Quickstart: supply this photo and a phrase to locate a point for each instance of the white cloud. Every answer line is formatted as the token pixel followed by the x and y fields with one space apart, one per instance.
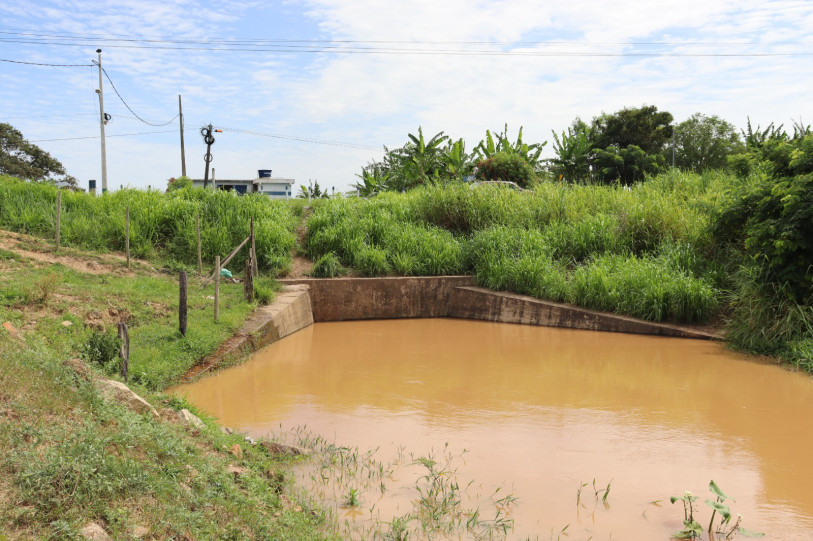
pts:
pixel 375 99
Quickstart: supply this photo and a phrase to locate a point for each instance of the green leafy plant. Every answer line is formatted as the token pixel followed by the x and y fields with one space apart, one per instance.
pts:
pixel 102 349
pixel 328 266
pixel 506 167
pixel 722 530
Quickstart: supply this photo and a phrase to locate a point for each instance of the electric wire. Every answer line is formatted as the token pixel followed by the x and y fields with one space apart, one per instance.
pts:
pixel 130 108
pixel 99 136
pixel 301 139
pixel 48 65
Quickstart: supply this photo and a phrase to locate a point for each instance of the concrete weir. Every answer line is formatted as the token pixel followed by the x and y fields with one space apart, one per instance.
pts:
pixel 304 301
pixel 341 299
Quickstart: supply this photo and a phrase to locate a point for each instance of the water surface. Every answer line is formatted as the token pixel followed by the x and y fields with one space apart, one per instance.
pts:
pixel 539 411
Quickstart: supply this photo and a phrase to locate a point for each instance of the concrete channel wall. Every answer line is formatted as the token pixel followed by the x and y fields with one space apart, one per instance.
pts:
pixel 342 299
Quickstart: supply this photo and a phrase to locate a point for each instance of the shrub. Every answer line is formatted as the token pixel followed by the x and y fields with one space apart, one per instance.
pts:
pixel 328 266
pixel 102 349
pixel 508 167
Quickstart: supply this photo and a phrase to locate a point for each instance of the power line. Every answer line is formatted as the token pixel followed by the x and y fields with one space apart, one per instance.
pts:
pixel 211 41
pixel 49 65
pixel 375 47
pixel 130 108
pixel 99 136
pixel 302 139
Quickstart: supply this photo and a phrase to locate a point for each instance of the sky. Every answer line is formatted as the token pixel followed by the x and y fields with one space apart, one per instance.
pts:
pixel 314 89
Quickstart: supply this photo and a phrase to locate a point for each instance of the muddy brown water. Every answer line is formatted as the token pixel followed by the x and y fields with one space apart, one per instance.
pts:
pixel 537 412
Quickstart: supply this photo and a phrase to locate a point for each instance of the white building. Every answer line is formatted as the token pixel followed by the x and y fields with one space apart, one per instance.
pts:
pixel 275 188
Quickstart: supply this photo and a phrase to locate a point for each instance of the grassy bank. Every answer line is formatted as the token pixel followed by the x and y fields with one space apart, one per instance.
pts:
pixel 636 251
pixel 68 457
pixel 648 251
pixel 161 225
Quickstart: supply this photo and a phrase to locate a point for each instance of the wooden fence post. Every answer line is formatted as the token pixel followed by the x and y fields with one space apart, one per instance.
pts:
pixel 58 217
pixel 197 229
pixel 217 287
pixel 254 269
pixel 182 304
pixel 124 350
pixel 248 282
pixel 127 235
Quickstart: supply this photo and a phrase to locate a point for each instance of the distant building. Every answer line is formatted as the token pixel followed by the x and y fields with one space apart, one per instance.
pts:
pixel 275 188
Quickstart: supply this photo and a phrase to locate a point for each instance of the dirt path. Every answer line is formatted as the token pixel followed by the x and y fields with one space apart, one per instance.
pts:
pixel 41 250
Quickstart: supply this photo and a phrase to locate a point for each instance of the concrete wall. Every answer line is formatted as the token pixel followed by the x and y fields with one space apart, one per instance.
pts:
pixel 480 303
pixel 338 299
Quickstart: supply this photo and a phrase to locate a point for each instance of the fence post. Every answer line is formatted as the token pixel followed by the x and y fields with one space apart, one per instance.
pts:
pixel 182 304
pixel 124 350
pixel 254 270
pixel 248 282
pixel 127 235
pixel 58 217
pixel 197 229
pixel 217 287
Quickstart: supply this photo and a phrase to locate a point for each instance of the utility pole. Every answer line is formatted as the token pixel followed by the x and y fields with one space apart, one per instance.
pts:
pixel 183 156
pixel 102 122
pixel 209 139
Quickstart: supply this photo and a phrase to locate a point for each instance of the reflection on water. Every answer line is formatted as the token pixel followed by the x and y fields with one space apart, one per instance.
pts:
pixel 540 411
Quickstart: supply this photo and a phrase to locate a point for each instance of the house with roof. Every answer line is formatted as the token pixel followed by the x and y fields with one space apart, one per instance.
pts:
pixel 273 187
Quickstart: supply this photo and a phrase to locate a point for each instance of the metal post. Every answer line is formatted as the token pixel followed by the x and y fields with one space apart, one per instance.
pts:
pixel 183 154
pixel 102 121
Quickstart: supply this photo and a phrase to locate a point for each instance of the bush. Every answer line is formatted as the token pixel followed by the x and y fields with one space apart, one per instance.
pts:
pixel 328 266
pixel 508 167
pixel 102 349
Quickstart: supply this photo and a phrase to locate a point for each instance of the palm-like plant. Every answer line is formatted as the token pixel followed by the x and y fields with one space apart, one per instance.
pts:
pixel 573 154
pixel 530 153
pixel 373 180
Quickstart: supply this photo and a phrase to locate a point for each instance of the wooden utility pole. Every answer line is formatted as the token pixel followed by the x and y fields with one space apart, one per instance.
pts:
pixel 183 155
pixel 58 217
pixel 182 304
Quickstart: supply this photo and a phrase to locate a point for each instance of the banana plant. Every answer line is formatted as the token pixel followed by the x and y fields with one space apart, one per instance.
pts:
pixel 458 163
pixel 488 147
pixel 373 180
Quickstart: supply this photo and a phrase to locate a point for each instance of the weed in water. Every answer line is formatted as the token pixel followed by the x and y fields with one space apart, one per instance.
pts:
pixel 722 530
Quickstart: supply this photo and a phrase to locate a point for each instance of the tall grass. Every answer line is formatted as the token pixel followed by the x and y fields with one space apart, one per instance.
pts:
pixel 640 250
pixel 160 224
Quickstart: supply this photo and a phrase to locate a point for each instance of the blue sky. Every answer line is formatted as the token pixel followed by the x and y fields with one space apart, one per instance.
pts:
pixel 471 65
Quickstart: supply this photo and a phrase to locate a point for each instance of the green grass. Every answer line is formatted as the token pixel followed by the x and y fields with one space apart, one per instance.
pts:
pixel 596 246
pixel 68 456
pixel 159 355
pixel 160 224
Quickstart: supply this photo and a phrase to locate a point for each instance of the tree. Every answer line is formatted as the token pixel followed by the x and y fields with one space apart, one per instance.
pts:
pixel 19 158
pixel 705 142
pixel 644 127
pixel 630 143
